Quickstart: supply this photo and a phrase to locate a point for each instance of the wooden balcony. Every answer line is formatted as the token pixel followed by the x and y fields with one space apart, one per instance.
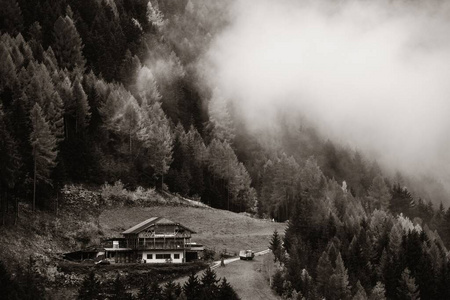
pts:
pixel 149 244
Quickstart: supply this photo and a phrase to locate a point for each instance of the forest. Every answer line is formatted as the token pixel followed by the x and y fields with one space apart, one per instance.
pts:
pixel 104 90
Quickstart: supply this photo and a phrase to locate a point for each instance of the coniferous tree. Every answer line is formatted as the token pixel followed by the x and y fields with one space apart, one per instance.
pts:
pixel 11 19
pixel 169 291
pixel 408 288
pixel 192 287
pixel 226 291
pixel 401 200
pixel 379 192
pixel 67 45
pixel 8 75
pixel 209 285
pixel 339 280
pixel 275 246
pixel 324 269
pixel 44 148
pixel 378 292
pixel 277 282
pixel 220 119
pixel 10 163
pixel 82 109
pixel 360 292
pixel 155 134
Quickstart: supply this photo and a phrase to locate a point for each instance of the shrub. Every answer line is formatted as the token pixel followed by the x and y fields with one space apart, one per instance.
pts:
pixel 113 194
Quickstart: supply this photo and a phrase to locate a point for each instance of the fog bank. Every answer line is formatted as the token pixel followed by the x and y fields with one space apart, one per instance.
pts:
pixel 371 75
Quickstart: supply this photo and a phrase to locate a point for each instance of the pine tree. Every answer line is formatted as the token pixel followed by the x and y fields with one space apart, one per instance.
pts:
pixel 90 288
pixel 408 288
pixel 378 292
pixel 154 15
pixel 67 44
pixel 324 269
pixel 339 280
pixel 8 75
pixel 11 19
pixel 82 110
pixel 209 285
pixel 10 162
pixel 155 134
pixel 10 159
pixel 275 246
pixel 360 292
pixel 192 287
pixel 379 192
pixel 277 282
pixel 226 291
pixel 44 148
pixel 220 119
pixel 169 291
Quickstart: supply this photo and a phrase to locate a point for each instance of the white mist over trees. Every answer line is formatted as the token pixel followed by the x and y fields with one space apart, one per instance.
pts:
pixel 372 75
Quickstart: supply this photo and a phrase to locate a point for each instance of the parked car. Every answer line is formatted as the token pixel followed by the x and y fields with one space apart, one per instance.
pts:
pixel 103 262
pixel 246 254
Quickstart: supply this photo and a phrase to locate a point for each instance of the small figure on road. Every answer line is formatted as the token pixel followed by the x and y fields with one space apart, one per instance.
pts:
pixel 222 262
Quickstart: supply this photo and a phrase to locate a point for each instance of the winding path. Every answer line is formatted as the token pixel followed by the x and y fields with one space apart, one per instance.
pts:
pixel 245 276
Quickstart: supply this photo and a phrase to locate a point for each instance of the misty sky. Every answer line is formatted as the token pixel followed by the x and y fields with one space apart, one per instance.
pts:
pixel 372 75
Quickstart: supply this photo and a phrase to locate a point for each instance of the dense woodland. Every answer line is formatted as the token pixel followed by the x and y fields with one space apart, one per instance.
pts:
pixel 103 90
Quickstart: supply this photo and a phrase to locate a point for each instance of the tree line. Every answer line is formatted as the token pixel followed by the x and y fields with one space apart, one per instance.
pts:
pixel 337 247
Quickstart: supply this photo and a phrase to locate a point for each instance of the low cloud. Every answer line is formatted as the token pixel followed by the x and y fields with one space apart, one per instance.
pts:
pixel 372 75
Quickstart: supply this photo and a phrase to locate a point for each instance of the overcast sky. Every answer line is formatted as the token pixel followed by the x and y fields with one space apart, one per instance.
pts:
pixel 374 75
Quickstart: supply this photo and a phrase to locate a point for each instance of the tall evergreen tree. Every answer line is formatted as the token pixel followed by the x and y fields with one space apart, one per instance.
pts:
pixel 44 149
pixel 275 246
pixel 408 288
pixel 67 45
pixel 192 287
pixel 339 280
pixel 209 285
pixel 360 292
pixel 11 19
pixel 156 136
pixel 378 292
pixel 82 109
pixel 226 291
pixel 324 269
pixel 170 291
pixel 379 192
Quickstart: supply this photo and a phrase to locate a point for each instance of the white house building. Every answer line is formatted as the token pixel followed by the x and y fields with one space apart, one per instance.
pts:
pixel 155 240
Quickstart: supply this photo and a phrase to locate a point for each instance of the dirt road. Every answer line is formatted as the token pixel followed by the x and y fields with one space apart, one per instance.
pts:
pixel 246 278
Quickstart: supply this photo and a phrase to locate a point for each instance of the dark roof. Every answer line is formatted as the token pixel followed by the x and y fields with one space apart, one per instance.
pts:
pixel 150 222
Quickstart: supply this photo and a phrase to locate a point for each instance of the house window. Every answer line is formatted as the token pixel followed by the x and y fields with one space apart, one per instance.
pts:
pixel 162 256
pixel 176 256
pixel 149 256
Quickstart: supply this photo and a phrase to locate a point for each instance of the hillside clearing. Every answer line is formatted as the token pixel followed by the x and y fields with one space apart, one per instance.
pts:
pixel 216 229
